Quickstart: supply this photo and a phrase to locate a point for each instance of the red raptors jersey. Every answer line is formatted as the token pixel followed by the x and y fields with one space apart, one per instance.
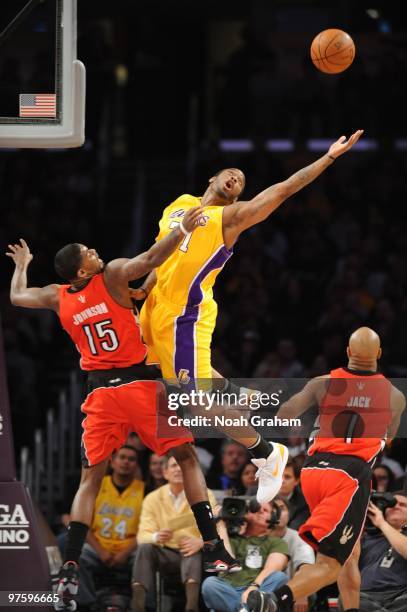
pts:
pixel 106 334
pixel 357 412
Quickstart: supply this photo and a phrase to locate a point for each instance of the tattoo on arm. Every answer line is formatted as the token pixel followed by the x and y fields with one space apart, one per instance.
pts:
pixel 306 175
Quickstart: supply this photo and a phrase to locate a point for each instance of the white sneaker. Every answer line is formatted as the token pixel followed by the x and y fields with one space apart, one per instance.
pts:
pixel 270 473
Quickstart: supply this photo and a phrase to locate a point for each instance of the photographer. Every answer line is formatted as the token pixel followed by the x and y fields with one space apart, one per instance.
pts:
pixel 383 560
pixel 263 557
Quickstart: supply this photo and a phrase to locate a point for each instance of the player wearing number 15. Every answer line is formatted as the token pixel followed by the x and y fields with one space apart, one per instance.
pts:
pixel 96 310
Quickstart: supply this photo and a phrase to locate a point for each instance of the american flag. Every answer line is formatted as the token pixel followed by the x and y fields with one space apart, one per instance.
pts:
pixel 38 105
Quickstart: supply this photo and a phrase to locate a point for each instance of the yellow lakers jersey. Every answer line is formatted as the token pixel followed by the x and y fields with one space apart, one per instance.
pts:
pixel 186 278
pixel 116 516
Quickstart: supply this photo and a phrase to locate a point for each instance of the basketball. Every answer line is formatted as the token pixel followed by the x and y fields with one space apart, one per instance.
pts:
pixel 332 51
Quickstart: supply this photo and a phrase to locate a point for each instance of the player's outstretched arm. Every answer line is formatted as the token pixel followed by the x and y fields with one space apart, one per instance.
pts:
pixel 20 294
pixel 241 215
pixel 131 269
pixel 302 401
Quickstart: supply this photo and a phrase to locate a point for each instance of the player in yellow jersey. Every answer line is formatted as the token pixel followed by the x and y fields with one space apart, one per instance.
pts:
pixel 179 315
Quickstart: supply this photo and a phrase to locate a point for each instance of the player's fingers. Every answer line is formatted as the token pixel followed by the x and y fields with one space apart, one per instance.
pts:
pixel 341 139
pixel 196 218
pixel 23 242
pixel 193 210
pixel 196 212
pixel 357 135
pixel 11 247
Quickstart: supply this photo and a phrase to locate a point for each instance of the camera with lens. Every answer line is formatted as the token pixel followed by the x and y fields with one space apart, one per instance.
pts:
pixel 382 501
pixel 235 509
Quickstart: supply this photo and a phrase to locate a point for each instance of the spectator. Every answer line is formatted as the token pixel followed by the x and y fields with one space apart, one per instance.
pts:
pixel 247 478
pixel 299 551
pixel 290 367
pixel 233 458
pixel 168 538
pixel 155 477
pixel 290 491
pixel 134 440
pixel 383 560
pixel 391 463
pixel 205 458
pixel 111 540
pixel 264 559
pixel 296 446
pixel 383 478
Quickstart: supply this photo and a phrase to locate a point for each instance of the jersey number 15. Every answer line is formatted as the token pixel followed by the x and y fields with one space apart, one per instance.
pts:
pixel 103 335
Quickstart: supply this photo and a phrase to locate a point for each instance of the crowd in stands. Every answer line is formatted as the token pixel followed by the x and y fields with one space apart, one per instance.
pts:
pixel 144 544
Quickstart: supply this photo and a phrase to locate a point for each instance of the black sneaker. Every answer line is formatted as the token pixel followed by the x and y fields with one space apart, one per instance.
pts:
pixel 217 559
pixel 67 587
pixel 257 601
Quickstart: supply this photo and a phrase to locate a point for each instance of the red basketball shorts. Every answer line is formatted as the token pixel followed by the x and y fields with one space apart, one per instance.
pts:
pixel 115 406
pixel 337 491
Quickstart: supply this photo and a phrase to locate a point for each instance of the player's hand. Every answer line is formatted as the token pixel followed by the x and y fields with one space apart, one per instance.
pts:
pixel 192 218
pixel 164 535
pixel 301 605
pixel 189 545
pixel 376 516
pixel 342 145
pixel 105 556
pixel 120 558
pixel 245 593
pixel 137 294
pixel 65 520
pixel 20 253
pixel 216 510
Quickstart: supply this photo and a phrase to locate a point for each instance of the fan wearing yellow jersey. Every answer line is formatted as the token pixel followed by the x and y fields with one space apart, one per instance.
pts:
pixel 179 315
pixel 112 537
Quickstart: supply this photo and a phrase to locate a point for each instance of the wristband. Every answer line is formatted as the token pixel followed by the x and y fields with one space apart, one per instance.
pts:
pixel 230 388
pixel 331 157
pixel 183 230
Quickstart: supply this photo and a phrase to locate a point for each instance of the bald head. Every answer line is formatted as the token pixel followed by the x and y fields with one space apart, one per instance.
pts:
pixel 364 345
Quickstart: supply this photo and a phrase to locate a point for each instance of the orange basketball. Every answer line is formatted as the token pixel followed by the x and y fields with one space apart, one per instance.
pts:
pixel 332 51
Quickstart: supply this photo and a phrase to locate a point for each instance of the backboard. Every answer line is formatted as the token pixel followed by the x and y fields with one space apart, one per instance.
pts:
pixel 42 83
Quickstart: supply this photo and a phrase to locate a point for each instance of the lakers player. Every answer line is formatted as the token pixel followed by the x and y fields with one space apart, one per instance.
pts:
pixel 179 315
